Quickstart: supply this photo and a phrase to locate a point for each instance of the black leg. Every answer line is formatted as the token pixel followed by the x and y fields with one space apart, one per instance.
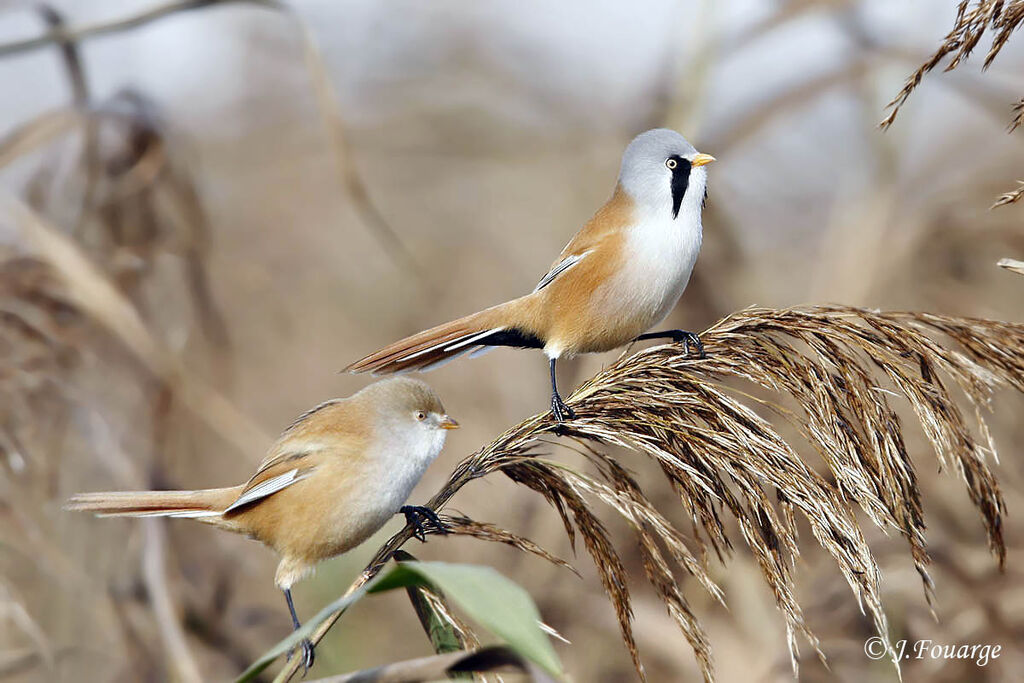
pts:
pixel 688 339
pixel 416 514
pixel 561 411
pixel 307 646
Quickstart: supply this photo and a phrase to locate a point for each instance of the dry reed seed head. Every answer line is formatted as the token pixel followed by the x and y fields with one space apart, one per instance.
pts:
pixel 554 486
pixel 838 367
pixel 863 446
pixel 772 542
pixel 1001 17
pixel 459 525
pixel 1018 116
pixel 625 496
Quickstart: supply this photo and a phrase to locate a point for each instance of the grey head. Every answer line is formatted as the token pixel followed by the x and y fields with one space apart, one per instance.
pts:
pixel 664 174
pixel 405 401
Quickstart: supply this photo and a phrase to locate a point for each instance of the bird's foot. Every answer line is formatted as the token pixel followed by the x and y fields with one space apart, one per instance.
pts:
pixel 689 340
pixel 560 410
pixel 307 655
pixel 416 515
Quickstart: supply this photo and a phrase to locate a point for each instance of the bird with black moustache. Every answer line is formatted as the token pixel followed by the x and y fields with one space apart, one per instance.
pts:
pixel 617 278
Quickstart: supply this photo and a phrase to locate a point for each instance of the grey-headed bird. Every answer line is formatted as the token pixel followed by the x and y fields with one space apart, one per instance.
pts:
pixel 618 277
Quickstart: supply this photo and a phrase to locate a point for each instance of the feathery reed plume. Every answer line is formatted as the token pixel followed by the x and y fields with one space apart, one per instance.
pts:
pixel 1018 116
pixel 830 372
pixel 1003 17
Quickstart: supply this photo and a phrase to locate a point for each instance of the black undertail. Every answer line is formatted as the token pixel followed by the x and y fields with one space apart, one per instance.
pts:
pixel 515 338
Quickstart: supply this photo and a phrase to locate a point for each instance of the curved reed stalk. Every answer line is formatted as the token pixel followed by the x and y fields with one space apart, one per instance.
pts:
pixel 834 374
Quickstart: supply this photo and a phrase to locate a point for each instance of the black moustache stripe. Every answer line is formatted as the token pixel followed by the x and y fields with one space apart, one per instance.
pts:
pixel 680 181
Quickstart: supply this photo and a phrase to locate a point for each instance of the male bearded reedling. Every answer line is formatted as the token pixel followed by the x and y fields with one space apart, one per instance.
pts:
pixel 619 276
pixel 331 480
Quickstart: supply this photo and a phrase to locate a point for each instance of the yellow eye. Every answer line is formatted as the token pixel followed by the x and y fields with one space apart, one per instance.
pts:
pixel 672 163
pixel 421 416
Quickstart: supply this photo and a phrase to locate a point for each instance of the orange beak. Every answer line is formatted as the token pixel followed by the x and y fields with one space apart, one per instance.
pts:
pixel 702 160
pixel 448 423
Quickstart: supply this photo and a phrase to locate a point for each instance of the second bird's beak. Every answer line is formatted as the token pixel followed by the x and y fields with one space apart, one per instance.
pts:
pixel 447 423
pixel 702 160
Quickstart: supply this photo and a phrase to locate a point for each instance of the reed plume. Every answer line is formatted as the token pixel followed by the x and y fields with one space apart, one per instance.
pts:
pixel 836 375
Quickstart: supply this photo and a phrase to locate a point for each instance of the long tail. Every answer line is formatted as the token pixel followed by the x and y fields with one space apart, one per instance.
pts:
pixel 502 325
pixel 205 505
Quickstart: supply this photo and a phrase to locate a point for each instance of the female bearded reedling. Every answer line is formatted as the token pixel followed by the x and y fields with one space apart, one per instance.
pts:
pixel 331 480
pixel 619 276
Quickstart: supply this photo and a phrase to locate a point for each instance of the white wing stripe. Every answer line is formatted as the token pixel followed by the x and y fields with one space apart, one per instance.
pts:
pixel 264 489
pixel 475 337
pixel 454 344
pixel 559 268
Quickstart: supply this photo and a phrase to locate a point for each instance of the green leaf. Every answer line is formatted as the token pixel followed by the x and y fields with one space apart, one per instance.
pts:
pixel 498 603
pixel 487 596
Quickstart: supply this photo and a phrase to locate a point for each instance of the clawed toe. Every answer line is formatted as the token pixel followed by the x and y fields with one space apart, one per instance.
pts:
pixel 415 516
pixel 560 410
pixel 691 340
pixel 308 655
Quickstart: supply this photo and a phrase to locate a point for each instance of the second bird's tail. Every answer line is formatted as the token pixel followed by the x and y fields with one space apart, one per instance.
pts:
pixel 501 325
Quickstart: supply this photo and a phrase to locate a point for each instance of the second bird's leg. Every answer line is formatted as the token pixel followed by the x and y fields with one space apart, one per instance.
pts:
pixel 561 411
pixel 414 516
pixel 307 646
pixel 688 339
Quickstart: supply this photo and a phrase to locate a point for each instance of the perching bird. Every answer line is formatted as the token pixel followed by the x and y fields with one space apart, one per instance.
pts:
pixel 332 479
pixel 619 276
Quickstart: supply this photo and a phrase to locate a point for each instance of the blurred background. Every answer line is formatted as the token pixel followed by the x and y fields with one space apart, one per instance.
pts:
pixel 276 190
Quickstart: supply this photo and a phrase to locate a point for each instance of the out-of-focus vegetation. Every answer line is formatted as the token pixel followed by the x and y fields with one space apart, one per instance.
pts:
pixel 206 213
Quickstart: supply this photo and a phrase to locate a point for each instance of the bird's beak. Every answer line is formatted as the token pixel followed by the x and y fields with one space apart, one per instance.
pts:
pixel 702 160
pixel 447 423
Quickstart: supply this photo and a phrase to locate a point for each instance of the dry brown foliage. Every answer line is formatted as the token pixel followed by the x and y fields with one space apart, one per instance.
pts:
pixel 1002 17
pixel 831 372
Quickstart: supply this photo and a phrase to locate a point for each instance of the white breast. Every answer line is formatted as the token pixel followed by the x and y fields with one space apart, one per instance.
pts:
pixel 387 483
pixel 660 255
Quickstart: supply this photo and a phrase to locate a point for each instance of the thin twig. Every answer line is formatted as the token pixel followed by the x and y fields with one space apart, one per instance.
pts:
pixel 60 34
pixel 154 575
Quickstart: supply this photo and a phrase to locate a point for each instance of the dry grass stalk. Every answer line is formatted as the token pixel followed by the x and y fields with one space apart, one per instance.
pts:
pixel 132 204
pixel 1018 115
pixel 836 369
pixel 460 525
pixel 1002 17
pixel 88 290
pixel 1012 265
pixel 1011 196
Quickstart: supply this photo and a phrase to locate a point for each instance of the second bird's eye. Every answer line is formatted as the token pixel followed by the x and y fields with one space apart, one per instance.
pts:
pixel 672 163
pixel 421 416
